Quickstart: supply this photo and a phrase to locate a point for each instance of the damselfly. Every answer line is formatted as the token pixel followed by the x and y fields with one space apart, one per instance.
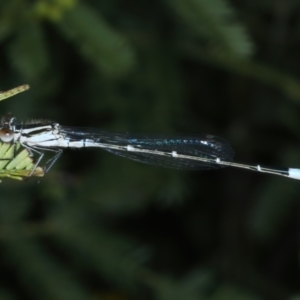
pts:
pixel 201 152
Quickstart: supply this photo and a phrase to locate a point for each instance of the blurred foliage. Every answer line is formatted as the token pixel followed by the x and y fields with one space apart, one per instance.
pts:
pixel 101 227
pixel 215 21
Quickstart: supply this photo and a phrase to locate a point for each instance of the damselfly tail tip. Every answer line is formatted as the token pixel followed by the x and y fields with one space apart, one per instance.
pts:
pixel 294 173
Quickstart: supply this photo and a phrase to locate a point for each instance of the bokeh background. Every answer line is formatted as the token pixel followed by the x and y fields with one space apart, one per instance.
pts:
pixel 102 227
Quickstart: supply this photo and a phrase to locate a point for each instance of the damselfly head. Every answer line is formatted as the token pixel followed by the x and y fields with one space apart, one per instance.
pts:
pixel 7 128
pixel 6 135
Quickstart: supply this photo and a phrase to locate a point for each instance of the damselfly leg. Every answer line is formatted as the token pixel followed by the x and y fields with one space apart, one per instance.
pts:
pixel 39 151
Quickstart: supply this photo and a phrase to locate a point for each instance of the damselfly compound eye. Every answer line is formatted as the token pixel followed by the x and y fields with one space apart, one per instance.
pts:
pixel 6 135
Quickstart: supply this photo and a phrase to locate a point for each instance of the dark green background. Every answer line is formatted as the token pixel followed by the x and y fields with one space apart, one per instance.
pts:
pixel 102 227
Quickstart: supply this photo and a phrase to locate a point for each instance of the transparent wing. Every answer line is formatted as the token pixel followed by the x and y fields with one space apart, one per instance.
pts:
pixel 194 147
